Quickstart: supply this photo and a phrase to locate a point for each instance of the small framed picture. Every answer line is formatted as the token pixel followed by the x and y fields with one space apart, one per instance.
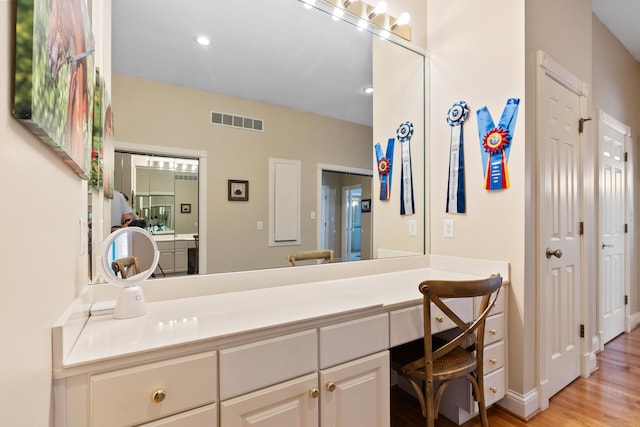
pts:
pixel 238 190
pixel 185 208
pixel 365 205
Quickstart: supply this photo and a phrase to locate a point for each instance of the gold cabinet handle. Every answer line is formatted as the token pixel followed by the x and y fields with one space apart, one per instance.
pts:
pixel 493 390
pixel 493 361
pixel 493 331
pixel 314 392
pixel 158 395
pixel 331 386
pixel 439 319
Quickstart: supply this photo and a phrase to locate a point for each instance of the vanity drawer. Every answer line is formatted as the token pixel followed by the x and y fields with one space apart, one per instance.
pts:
pixel 407 325
pixel 126 397
pixel 498 306
pixel 493 357
pixel 263 363
pixel 350 340
pixel 494 329
pixel 205 416
pixel 494 386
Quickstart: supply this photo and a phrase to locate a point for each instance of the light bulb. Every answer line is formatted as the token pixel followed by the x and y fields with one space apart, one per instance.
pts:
pixel 381 7
pixel 404 19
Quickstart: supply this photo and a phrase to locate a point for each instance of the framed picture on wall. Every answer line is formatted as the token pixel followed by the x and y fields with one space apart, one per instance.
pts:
pixel 365 205
pixel 185 208
pixel 238 190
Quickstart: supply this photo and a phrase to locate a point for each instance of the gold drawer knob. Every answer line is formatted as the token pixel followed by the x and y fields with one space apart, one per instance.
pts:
pixel 493 361
pixel 331 386
pixel 493 331
pixel 314 392
pixel 439 319
pixel 158 395
pixel 493 390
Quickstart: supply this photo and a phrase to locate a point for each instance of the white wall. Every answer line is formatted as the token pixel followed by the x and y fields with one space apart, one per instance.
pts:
pixel 41 265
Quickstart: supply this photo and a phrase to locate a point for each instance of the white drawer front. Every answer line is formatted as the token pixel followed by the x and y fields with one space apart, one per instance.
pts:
pixel 252 366
pixel 350 340
pixel 206 416
pixel 406 325
pixel 493 357
pixel 494 329
pixel 494 386
pixel 125 397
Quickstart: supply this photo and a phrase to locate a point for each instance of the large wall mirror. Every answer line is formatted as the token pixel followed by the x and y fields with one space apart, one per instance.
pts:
pixel 276 104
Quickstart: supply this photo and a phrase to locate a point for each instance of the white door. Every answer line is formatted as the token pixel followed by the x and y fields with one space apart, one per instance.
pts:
pixel 352 222
pixel 328 219
pixel 559 239
pixel 356 394
pixel 612 227
pixel 290 404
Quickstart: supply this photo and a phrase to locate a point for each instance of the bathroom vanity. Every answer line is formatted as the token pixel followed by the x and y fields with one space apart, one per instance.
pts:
pixel 301 354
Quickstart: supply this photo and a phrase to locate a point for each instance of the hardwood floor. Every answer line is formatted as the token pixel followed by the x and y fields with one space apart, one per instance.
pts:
pixel 610 397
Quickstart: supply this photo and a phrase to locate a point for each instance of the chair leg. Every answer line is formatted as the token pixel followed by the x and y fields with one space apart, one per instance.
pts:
pixel 482 407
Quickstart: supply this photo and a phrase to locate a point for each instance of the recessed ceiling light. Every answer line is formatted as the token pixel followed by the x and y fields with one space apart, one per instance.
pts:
pixel 203 40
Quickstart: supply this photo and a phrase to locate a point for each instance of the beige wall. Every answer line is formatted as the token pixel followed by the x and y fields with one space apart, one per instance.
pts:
pixel 42 269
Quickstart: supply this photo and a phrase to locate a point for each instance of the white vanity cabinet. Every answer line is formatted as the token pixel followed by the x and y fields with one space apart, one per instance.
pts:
pixel 177 392
pixel 351 387
pixel 173 256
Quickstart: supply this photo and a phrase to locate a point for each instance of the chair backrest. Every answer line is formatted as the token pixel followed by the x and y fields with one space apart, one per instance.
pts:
pixel 438 291
pixel 326 255
pixel 124 266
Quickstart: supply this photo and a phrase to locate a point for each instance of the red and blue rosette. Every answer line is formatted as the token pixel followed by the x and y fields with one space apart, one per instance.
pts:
pixel 456 200
pixel 404 133
pixel 385 164
pixel 495 143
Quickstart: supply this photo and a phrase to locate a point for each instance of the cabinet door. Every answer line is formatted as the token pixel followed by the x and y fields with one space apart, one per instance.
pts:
pixel 356 394
pixel 180 260
pixel 292 404
pixel 165 262
pixel 201 417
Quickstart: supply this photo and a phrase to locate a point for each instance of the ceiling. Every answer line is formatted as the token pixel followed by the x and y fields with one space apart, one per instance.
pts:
pixel 621 17
pixel 273 51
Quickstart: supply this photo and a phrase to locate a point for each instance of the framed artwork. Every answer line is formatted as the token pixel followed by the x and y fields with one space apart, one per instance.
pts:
pixel 238 190
pixel 185 208
pixel 55 77
pixel 365 205
pixel 97 160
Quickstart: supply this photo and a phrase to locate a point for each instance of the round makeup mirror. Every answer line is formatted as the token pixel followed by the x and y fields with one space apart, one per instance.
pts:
pixel 130 255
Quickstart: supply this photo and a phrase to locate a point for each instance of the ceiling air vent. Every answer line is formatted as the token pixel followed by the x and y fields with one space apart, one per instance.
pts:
pixel 225 119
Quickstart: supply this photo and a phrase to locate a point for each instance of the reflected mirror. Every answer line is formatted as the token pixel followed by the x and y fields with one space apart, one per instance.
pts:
pixel 277 92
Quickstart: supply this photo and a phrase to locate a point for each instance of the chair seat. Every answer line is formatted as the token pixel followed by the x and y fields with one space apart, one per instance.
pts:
pixel 408 359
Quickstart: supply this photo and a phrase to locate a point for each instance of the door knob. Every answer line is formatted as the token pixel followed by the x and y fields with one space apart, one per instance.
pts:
pixel 557 253
pixel 605 245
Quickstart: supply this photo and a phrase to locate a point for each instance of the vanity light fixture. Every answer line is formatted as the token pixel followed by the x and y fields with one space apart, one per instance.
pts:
pixel 203 40
pixel 363 14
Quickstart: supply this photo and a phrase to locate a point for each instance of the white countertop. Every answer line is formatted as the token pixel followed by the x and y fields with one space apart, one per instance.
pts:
pixel 173 323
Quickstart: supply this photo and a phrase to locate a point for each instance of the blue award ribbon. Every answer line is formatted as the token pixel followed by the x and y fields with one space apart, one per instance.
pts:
pixel 384 168
pixel 404 133
pixel 456 201
pixel 495 142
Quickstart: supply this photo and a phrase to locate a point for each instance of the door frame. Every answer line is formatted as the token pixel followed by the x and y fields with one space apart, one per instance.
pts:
pixel 331 168
pixel 546 67
pixel 201 155
pixel 603 117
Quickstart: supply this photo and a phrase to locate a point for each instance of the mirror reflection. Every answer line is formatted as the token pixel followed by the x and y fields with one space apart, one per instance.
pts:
pixel 268 98
pixel 129 256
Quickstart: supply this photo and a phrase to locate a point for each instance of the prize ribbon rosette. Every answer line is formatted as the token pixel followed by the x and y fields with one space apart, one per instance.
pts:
pixel 404 133
pixel 384 168
pixel 495 143
pixel 456 200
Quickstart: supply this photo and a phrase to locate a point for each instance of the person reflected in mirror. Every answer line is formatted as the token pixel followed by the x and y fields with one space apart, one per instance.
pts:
pixel 121 212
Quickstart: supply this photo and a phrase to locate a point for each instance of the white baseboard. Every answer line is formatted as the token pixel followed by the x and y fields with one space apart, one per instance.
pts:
pixel 522 405
pixel 633 321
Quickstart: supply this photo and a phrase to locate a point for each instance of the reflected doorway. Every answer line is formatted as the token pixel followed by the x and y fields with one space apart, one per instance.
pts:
pixel 343 227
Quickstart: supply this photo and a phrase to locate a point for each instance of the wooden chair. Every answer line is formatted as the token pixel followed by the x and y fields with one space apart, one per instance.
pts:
pixel 325 255
pixel 434 360
pixel 124 266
